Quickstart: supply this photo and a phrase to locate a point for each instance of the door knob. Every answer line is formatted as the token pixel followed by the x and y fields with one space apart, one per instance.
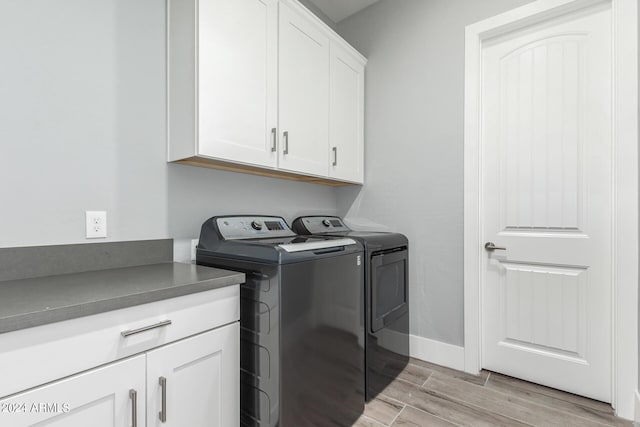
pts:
pixel 490 246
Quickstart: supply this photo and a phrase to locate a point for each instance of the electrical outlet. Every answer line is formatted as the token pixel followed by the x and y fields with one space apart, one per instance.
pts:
pixel 194 247
pixel 96 224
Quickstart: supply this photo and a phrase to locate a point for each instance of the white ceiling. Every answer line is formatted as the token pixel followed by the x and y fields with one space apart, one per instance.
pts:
pixel 337 10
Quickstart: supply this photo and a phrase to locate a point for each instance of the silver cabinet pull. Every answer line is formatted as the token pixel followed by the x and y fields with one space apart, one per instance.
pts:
pixel 335 156
pixel 285 137
pixel 490 246
pixel 274 142
pixel 163 410
pixel 133 395
pixel 145 328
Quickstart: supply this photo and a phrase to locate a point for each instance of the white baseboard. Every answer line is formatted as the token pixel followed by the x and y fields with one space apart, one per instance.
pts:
pixel 438 352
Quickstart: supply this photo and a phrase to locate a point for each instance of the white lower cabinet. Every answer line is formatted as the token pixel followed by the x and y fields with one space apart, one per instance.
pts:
pixel 102 397
pixel 196 382
pixel 192 342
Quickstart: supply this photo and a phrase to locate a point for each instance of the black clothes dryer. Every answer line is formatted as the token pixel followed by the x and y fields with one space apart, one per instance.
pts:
pixel 386 295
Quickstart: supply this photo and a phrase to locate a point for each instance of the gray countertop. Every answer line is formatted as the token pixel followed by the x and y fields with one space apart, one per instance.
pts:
pixel 32 302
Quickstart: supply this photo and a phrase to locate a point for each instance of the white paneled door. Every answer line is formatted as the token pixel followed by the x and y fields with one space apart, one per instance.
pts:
pixel 547 203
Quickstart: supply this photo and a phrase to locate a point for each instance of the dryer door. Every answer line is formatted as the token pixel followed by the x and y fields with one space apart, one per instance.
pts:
pixel 389 288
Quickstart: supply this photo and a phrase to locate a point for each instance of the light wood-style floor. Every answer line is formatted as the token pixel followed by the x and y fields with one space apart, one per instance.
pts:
pixel 429 395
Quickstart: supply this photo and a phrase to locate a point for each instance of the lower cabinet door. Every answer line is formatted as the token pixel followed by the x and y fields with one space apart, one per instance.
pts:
pixel 113 395
pixel 196 382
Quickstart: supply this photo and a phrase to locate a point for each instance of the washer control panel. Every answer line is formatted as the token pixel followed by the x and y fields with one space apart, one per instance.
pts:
pixel 253 227
pixel 324 224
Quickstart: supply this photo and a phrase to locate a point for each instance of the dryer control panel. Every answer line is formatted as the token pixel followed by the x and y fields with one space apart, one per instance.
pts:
pixel 252 227
pixel 323 224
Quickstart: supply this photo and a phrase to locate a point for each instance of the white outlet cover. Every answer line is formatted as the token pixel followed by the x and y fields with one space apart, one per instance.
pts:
pixel 194 245
pixel 96 224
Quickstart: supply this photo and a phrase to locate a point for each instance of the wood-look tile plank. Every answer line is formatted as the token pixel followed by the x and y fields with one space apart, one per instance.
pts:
pixel 473 379
pixel 383 409
pixel 510 384
pixel 415 374
pixel 412 417
pixel 365 421
pixel 566 402
pixel 449 397
pixel 507 405
pixel 446 408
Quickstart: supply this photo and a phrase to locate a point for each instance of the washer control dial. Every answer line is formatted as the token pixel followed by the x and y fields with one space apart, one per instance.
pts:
pixel 256 225
pixel 326 222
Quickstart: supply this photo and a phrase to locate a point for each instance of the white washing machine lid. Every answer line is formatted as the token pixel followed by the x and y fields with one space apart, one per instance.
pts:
pixel 311 246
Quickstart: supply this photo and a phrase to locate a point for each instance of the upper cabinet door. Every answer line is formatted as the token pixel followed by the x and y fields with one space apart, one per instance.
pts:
pixel 346 121
pixel 237 80
pixel 304 94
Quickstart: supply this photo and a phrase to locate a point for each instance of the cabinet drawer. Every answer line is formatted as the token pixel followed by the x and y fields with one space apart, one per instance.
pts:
pixel 34 356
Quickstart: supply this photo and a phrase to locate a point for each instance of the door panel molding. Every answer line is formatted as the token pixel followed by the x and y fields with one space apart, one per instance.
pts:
pixel 625 184
pixel 560 329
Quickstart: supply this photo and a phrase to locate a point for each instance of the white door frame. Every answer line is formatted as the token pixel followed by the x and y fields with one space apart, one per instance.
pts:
pixel 625 185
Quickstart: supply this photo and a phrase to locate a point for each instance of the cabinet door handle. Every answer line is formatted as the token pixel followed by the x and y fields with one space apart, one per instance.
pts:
pixel 133 395
pixel 335 156
pixel 145 328
pixel 163 409
pixel 285 137
pixel 274 142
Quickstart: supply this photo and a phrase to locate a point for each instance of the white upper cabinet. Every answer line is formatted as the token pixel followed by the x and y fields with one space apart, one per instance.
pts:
pixel 346 120
pixel 263 87
pixel 304 94
pixel 237 78
pixel 223 89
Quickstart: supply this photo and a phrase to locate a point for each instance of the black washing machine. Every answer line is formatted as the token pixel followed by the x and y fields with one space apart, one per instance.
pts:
pixel 386 296
pixel 301 321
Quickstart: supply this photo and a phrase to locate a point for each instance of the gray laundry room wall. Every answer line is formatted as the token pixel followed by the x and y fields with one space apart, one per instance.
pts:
pixel 320 14
pixel 414 144
pixel 82 101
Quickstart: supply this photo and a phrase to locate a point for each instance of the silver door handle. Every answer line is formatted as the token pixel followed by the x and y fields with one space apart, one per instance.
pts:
pixel 335 156
pixel 145 328
pixel 274 143
pixel 133 395
pixel 490 246
pixel 163 409
pixel 285 137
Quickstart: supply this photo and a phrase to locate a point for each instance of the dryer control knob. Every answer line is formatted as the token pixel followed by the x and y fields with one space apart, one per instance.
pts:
pixel 326 223
pixel 256 225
